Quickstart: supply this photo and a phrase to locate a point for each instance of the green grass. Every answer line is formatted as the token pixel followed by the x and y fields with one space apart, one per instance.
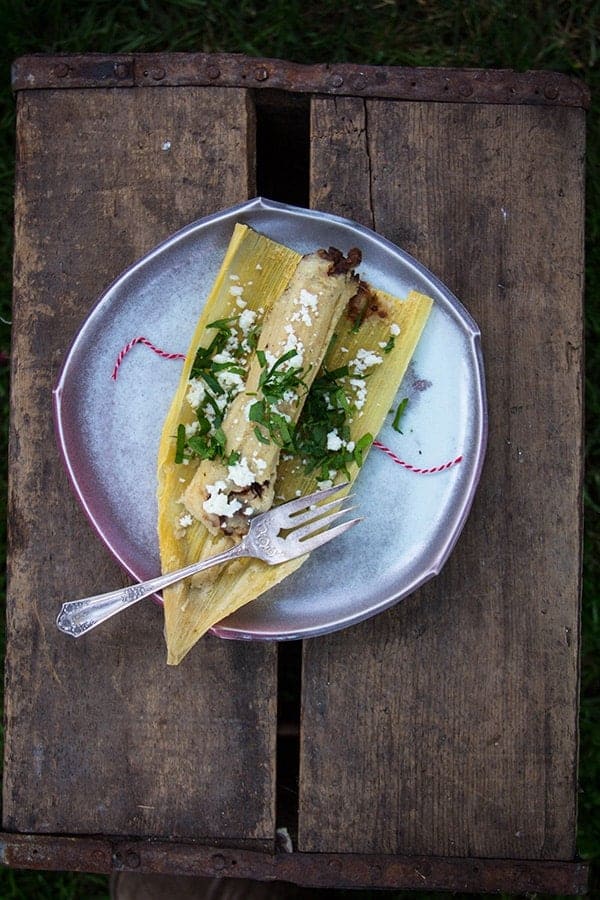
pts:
pixel 561 36
pixel 19 885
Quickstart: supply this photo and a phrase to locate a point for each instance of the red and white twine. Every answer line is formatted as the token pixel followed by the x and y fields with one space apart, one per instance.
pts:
pixel 417 470
pixel 142 340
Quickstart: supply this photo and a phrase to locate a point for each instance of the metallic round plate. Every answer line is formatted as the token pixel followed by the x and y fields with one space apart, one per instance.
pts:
pixel 108 431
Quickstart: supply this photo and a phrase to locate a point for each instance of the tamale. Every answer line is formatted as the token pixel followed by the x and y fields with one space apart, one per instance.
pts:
pixel 362 365
pixel 294 338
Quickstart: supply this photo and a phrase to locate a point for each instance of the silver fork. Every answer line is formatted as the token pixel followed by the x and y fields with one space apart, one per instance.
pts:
pixel 307 524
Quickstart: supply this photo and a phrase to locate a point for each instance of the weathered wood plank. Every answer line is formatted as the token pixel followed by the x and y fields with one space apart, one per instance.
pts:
pixel 344 187
pixel 101 737
pixel 455 714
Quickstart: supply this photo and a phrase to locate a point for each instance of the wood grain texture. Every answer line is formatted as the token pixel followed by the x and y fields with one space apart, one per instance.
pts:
pixel 101 737
pixel 454 715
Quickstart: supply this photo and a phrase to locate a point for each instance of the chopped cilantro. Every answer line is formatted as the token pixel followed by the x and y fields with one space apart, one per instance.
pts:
pixel 361 447
pixel 399 413
pixel 327 409
pixel 180 445
pixel 208 441
pixel 360 318
pixel 223 325
pixel 209 445
pixel 275 384
pixel 260 436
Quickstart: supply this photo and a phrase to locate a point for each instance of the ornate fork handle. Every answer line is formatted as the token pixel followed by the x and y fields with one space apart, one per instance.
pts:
pixel 77 617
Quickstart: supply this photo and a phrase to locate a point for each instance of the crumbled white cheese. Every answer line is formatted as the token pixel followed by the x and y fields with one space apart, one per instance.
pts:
pixel 360 389
pixel 364 359
pixel 241 303
pixel 218 503
pixel 270 359
pixel 241 474
pixel 223 357
pixel 232 347
pixel 232 382
pixel 221 401
pixel 186 520
pixel 308 303
pixel 308 299
pixel 234 277
pixel 209 413
pixel 334 441
pixel 192 428
pixel 394 329
pixel 293 343
pixel 247 320
pixel 195 392
pixel 236 290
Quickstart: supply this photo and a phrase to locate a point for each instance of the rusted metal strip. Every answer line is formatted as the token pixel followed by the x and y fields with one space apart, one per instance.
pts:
pixel 318 870
pixel 235 70
pixel 80 71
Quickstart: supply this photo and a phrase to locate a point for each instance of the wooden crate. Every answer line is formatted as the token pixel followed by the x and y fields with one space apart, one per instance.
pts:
pixel 434 746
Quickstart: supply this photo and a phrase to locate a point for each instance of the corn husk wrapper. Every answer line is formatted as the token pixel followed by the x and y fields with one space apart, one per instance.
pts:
pixel 193 606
